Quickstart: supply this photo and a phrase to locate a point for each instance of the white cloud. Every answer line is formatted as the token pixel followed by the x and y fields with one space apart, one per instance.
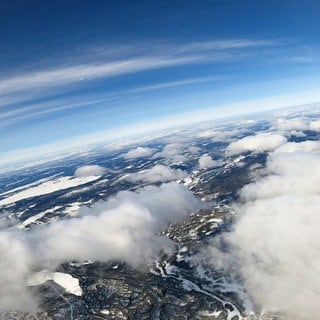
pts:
pixel 161 56
pixel 139 152
pixel 29 86
pixel 206 134
pixel 172 149
pixel 37 110
pixel 124 228
pixel 194 149
pixel 303 59
pixel 224 45
pixel 297 124
pixel 89 171
pixel 80 73
pixel 307 146
pixel 158 173
pixel 260 142
pixel 172 84
pixel 220 135
pixel 178 158
pixel 172 152
pixel 15 264
pixel 205 161
pixel 275 242
pixel 293 173
pixel 314 125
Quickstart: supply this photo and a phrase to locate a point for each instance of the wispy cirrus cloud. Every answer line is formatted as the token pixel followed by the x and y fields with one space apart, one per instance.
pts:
pixel 150 58
pixel 36 110
pixel 303 59
pixel 41 109
pixel 42 91
pixel 228 44
pixel 86 72
pixel 172 84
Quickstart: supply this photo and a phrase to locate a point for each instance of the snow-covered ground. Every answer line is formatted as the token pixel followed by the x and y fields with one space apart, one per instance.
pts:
pixel 35 218
pixel 65 280
pixel 26 186
pixel 47 187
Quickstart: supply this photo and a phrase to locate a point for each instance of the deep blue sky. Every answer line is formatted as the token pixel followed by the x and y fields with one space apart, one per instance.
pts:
pixel 73 68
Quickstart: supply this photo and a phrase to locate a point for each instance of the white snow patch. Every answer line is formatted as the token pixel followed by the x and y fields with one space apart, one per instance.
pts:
pixel 65 280
pixel 215 313
pixel 36 217
pixel 239 159
pixel 48 187
pixel 105 311
pixel 73 209
pixel 26 186
pixel 79 264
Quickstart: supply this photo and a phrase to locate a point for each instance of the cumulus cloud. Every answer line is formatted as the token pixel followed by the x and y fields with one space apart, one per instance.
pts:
pixel 139 152
pixel 298 124
pixel 260 142
pixel 276 242
pixel 220 135
pixel 294 173
pixel 315 125
pixel 158 173
pixel 15 264
pixel 205 161
pixel 124 227
pixel 194 149
pixel 307 146
pixel 172 152
pixel 88 171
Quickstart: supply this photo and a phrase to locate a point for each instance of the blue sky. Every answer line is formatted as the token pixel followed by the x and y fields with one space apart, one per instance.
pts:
pixel 75 71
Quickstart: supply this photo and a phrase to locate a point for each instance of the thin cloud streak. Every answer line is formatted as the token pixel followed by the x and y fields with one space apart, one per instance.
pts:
pixel 38 110
pixel 19 94
pixel 44 109
pixel 170 56
pixel 76 74
pixel 229 44
pixel 179 83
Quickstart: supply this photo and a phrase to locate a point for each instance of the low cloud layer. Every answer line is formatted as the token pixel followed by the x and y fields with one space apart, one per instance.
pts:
pixel 206 161
pixel 276 242
pixel 15 265
pixel 314 125
pixel 260 142
pixel 173 152
pixel 88 171
pixel 158 173
pixel 123 227
pixel 139 152
pixel 297 124
pixel 306 146
pixel 220 135
pixel 284 124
